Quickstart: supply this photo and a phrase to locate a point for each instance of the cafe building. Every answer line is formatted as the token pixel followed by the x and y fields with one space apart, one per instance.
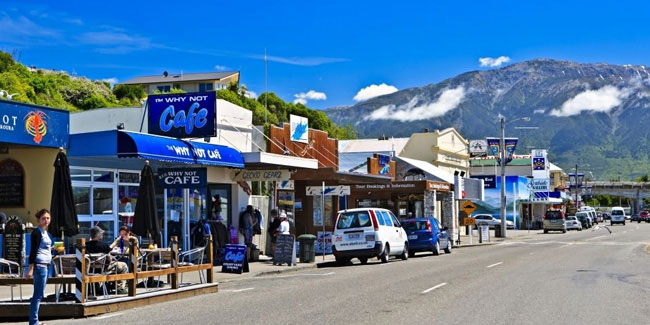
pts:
pixel 30 136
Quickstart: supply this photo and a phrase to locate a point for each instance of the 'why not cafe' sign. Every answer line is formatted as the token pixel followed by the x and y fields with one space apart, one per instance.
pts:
pixel 182 177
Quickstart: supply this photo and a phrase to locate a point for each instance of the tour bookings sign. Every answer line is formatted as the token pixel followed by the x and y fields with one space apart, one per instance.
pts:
pixel 182 177
pixel 190 115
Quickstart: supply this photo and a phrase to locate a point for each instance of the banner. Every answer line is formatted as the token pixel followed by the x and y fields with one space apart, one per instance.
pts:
pixel 324 240
pixel 478 148
pixel 182 177
pixel 190 115
pixel 572 180
pixel 494 147
pixel 299 128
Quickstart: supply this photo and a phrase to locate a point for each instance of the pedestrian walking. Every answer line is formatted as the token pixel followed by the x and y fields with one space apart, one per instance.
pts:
pixel 247 224
pixel 40 258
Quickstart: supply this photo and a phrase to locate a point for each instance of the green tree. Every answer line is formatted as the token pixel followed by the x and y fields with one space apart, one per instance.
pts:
pixel 129 92
pixel 643 179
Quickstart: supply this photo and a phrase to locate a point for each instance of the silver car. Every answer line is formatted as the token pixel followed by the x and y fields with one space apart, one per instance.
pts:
pixel 572 223
pixel 491 221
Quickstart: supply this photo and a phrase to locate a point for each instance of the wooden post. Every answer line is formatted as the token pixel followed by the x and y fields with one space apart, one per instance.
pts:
pixel 133 252
pixel 174 249
pixel 80 271
pixel 210 271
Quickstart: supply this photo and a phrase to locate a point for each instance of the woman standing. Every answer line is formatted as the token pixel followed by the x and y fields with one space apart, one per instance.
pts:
pixel 40 257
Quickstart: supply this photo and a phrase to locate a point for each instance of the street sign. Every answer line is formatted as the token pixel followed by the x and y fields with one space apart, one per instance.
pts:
pixel 469 221
pixel 468 207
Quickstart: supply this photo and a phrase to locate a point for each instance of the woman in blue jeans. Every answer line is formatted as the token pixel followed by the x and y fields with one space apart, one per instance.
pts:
pixel 40 257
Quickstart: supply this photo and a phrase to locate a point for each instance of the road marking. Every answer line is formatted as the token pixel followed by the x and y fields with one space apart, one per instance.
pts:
pixel 107 316
pixel 236 290
pixel 495 264
pixel 594 238
pixel 308 274
pixel 567 245
pixel 435 287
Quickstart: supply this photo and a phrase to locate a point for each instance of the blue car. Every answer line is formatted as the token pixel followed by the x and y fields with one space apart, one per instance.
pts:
pixel 426 235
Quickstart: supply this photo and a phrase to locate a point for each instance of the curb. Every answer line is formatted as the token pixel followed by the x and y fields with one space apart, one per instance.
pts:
pixel 476 245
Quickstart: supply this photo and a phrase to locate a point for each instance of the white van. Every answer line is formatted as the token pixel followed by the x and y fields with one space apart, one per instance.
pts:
pixel 368 232
pixel 618 216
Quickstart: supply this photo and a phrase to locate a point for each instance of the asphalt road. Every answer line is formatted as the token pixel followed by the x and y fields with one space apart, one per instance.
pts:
pixel 588 277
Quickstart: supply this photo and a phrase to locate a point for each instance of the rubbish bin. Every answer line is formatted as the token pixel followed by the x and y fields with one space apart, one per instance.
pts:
pixel 307 250
pixel 497 231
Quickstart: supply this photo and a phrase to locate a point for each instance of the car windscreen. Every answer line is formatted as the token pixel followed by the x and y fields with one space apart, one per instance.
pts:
pixel 354 220
pixel 617 212
pixel 552 215
pixel 414 225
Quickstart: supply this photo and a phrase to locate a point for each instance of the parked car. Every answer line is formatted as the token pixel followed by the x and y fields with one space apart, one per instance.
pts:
pixel 584 219
pixel 644 216
pixel 491 221
pixel 634 217
pixel 368 232
pixel 572 223
pixel 606 216
pixel 618 216
pixel 554 221
pixel 426 235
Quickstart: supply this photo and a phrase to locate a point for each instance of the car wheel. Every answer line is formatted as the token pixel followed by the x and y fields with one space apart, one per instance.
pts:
pixel 411 253
pixel 363 260
pixel 623 223
pixel 448 248
pixel 564 231
pixel 545 231
pixel 639 221
pixel 341 261
pixel 384 256
pixel 579 229
pixel 436 249
pixel 405 252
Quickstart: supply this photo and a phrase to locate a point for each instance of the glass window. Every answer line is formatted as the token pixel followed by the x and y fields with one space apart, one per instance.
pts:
pixel 329 210
pixel 109 229
pixel 354 220
pixel 205 87
pixel 380 219
pixel 386 218
pixel 164 88
pixel 81 199
pixel 102 201
pixel 133 178
pixel 395 222
pixel 127 198
pixel 81 175
pixel 103 176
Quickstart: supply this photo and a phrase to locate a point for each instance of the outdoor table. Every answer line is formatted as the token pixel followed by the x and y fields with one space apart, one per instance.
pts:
pixel 150 257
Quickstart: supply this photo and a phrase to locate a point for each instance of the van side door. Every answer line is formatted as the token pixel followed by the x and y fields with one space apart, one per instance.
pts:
pixel 399 233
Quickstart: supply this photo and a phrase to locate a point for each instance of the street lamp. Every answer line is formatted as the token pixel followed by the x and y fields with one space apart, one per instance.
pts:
pixel 578 183
pixel 503 171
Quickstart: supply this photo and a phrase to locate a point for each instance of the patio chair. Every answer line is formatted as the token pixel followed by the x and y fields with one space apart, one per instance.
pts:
pixel 9 265
pixel 96 264
pixel 63 266
pixel 164 262
pixel 192 257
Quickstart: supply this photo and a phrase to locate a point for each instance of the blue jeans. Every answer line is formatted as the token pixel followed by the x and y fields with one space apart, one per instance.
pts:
pixel 40 280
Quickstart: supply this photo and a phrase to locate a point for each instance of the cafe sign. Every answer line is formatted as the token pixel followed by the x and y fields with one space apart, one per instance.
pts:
pixel 182 177
pixel 34 125
pixel 261 175
pixel 190 115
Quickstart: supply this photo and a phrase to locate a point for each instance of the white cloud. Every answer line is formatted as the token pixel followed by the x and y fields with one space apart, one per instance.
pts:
pixel 493 62
pixel 310 95
pixel 111 81
pixel 448 100
pixel 304 61
pixel 538 111
pixel 374 91
pixel 250 94
pixel 23 31
pixel 220 67
pixel 115 42
pixel 600 100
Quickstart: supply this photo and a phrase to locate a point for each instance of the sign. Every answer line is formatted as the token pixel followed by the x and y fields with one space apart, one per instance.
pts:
pixel 12 184
pixel 539 163
pixel 329 190
pixel 484 234
pixel 318 217
pixel 299 128
pixel 13 244
pixel 261 175
pixel 539 187
pixel 438 186
pixel 468 207
pixel 467 221
pixel 182 177
pixel 488 181
pixel 324 240
pixel 190 115
pixel 494 148
pixel 34 125
pixel 286 185
pixel 478 148
pixel 285 250
pixel 234 260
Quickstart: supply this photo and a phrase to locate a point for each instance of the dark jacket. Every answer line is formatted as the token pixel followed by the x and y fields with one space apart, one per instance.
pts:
pixel 35 242
pixel 97 246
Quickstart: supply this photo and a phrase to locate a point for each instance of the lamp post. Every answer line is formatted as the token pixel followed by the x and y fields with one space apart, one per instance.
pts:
pixel 503 171
pixel 578 183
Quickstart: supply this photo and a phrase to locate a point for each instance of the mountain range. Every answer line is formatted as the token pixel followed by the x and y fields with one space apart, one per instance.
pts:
pixel 593 114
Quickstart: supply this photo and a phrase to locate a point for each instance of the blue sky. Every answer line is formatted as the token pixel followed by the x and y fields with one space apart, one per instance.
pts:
pixel 332 48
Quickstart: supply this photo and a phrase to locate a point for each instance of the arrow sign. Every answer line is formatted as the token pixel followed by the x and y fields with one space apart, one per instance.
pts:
pixel 468 206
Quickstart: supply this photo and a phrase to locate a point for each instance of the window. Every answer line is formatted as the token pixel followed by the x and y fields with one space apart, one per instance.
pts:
pixel 81 199
pixel 354 220
pixel 329 210
pixel 395 222
pixel 103 176
pixel 380 219
pixel 164 89
pixel 386 218
pixel 206 87
pixel 102 201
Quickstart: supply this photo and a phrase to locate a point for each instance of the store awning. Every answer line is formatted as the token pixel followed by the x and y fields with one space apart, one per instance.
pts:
pixel 125 144
pixel 434 172
pixel 272 160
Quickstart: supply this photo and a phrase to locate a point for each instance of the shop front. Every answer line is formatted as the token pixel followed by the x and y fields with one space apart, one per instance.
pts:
pixel 194 181
pixel 30 136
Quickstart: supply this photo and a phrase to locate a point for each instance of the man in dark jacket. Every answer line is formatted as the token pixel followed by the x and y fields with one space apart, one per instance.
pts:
pixel 96 245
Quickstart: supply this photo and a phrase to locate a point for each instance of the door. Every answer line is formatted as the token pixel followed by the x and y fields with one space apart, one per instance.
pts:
pixel 399 237
pixel 174 215
pixel 442 239
pixel 220 202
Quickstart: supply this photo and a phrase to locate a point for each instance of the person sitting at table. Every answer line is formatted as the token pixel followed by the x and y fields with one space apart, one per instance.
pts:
pixel 122 241
pixel 96 245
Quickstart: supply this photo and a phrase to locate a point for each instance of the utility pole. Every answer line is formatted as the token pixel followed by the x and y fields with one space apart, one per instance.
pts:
pixel 503 178
pixel 266 88
pixel 577 187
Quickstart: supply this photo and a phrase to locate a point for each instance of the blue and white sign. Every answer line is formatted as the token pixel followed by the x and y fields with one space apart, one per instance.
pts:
pixel 299 128
pixel 329 190
pixel 324 241
pixel 190 115
pixel 234 259
pixel 182 177
pixel 488 181
pixel 34 125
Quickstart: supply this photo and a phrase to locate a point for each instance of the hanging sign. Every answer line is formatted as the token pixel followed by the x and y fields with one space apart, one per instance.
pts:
pixel 182 177
pixel 477 148
pixel 494 148
pixel 260 175
pixel 190 115
pixel 329 190
pixel 299 128
pixel 34 125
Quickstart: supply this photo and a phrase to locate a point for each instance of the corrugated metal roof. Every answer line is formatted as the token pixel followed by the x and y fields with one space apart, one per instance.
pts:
pixel 373 145
pixel 179 77
pixel 428 168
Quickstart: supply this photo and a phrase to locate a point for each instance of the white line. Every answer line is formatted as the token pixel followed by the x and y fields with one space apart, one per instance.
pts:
pixel 567 245
pixel 309 274
pixel 237 290
pixel 495 264
pixel 593 238
pixel 435 287
pixel 107 316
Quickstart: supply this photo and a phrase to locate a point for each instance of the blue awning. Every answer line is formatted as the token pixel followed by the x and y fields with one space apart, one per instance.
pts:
pixel 125 144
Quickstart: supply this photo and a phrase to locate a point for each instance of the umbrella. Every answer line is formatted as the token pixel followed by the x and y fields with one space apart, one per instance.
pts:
pixel 62 211
pixel 145 221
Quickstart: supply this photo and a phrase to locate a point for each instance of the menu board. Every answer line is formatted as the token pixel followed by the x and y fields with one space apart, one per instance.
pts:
pixel 285 250
pixel 12 181
pixel 14 241
pixel 235 260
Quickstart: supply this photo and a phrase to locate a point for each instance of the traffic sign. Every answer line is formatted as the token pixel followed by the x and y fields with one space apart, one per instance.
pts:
pixel 469 221
pixel 468 207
